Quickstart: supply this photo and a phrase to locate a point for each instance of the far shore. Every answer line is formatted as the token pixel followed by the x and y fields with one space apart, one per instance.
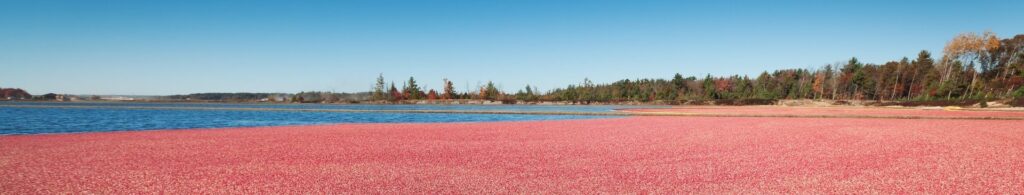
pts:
pixel 1008 104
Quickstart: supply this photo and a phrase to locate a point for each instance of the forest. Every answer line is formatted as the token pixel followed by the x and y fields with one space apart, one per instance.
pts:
pixel 972 67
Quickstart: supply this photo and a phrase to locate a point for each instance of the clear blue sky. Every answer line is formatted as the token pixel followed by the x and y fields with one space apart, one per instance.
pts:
pixel 176 46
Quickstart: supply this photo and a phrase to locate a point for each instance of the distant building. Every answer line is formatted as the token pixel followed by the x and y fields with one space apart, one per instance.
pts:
pixel 117 98
pixel 280 98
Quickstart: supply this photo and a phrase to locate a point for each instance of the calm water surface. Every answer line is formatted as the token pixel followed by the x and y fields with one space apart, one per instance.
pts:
pixel 114 116
pixel 522 108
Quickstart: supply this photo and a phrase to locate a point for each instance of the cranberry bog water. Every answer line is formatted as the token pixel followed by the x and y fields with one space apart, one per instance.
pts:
pixel 635 154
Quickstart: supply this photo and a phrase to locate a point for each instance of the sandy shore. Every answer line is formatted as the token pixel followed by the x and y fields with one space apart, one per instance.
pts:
pixel 623 155
pixel 835 112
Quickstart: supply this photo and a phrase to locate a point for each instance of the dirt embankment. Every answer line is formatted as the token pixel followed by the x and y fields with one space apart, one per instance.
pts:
pixel 1000 104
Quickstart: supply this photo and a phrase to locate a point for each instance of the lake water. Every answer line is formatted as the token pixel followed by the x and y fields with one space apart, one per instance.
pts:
pixel 520 108
pixel 115 116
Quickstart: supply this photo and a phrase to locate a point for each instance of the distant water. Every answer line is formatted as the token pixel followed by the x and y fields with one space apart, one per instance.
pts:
pixel 117 117
pixel 520 108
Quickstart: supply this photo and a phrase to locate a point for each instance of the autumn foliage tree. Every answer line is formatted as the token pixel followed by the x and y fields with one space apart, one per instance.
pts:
pixel 432 95
pixel 394 94
pixel 449 90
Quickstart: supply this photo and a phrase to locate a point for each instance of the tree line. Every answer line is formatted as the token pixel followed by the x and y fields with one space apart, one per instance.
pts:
pixel 301 97
pixel 972 67
pixel 410 90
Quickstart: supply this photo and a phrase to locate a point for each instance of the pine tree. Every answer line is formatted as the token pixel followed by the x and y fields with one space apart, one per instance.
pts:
pixel 412 91
pixel 378 89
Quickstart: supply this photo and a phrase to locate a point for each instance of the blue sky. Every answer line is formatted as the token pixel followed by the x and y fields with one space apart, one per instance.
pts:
pixel 177 47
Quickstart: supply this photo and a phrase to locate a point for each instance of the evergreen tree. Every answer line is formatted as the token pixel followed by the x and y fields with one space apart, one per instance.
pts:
pixel 709 88
pixel 412 90
pixel 378 89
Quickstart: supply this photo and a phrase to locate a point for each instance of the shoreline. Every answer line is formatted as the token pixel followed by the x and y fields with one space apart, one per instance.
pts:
pixel 994 103
pixel 680 111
